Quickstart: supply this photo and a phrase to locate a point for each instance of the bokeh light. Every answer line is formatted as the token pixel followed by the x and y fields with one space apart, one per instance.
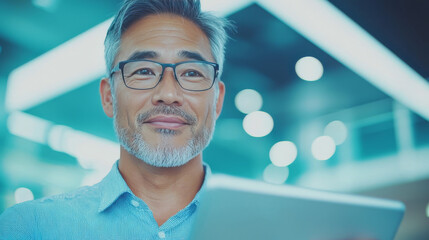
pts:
pixel 258 124
pixel 48 5
pixel 283 153
pixel 309 68
pixel 337 130
pixel 276 175
pixel 23 194
pixel 323 148
pixel 248 100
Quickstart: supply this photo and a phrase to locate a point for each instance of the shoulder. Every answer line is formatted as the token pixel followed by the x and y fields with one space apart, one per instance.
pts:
pixel 24 219
pixel 82 194
pixel 15 223
pixel 83 198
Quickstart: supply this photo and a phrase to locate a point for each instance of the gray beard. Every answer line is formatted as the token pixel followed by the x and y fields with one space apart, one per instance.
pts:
pixel 164 154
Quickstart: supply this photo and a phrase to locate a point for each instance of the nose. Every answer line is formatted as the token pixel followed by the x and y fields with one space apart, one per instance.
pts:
pixel 168 90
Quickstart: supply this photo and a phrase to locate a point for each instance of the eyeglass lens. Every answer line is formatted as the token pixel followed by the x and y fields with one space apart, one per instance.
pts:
pixel 191 75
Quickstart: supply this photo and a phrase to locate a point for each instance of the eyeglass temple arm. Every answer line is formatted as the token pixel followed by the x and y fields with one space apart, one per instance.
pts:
pixel 115 69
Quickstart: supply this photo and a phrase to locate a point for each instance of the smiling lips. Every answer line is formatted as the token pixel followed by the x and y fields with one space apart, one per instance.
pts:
pixel 166 122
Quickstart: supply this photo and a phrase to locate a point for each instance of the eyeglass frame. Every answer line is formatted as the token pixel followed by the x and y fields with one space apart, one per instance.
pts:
pixel 120 66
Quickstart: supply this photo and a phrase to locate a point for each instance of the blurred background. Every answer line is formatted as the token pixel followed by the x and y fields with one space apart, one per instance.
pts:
pixel 331 95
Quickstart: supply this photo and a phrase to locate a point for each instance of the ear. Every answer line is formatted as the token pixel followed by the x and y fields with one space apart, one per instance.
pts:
pixel 106 97
pixel 219 102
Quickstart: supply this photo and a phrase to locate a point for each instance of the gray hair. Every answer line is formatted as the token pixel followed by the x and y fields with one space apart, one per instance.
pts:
pixel 133 10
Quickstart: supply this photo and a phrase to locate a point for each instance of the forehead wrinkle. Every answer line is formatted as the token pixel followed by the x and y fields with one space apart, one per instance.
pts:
pixel 159 32
pixel 169 35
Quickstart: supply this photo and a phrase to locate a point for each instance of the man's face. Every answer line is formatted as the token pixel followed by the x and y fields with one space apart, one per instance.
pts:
pixel 165 126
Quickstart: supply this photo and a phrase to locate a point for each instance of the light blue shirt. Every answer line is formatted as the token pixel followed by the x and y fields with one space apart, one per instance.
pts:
pixel 107 210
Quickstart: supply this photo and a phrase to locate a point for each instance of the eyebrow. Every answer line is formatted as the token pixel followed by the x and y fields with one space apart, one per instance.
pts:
pixel 143 55
pixel 140 55
pixel 191 55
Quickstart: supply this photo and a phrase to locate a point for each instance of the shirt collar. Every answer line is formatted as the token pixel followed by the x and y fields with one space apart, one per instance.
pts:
pixel 113 186
pixel 207 174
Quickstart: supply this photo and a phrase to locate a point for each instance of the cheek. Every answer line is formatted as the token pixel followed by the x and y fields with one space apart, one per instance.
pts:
pixel 130 105
pixel 210 111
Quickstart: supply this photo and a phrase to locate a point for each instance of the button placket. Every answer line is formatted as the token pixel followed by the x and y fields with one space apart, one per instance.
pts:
pixel 161 234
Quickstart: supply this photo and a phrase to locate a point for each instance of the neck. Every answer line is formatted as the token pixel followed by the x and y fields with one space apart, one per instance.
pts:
pixel 165 190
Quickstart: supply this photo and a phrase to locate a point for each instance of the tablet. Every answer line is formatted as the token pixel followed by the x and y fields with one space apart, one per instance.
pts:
pixel 236 208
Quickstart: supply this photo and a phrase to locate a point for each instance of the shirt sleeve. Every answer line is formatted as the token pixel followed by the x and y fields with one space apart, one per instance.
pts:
pixel 16 223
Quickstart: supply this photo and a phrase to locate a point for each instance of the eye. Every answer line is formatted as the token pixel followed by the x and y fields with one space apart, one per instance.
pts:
pixel 144 71
pixel 192 73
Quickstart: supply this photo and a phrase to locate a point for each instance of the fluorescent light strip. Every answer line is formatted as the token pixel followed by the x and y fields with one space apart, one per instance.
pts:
pixel 224 7
pixel 58 71
pixel 338 35
pixel 74 64
pixel 91 151
pixel 384 171
pixel 29 127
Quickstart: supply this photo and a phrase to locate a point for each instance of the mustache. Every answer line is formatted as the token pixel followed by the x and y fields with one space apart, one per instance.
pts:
pixel 166 110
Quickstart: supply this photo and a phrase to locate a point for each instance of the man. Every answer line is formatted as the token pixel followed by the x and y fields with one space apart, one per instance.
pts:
pixel 164 60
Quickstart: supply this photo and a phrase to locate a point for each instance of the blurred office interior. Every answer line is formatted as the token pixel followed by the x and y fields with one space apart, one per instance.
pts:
pixel 331 95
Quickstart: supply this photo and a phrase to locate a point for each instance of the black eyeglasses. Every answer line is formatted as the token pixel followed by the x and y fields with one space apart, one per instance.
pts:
pixel 146 74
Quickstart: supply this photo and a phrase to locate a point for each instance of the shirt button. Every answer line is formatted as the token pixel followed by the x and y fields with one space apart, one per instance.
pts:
pixel 161 234
pixel 135 203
